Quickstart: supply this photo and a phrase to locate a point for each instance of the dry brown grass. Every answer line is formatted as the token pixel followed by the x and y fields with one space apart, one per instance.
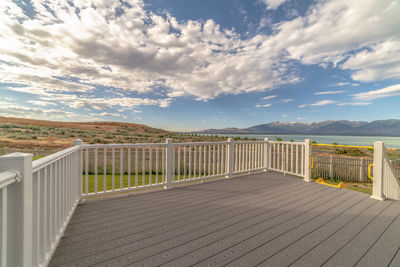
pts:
pixel 41 134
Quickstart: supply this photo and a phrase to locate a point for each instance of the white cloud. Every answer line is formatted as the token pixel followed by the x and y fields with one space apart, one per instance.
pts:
pixel 285 116
pixel 361 36
pixel 319 103
pixel 329 92
pixel 263 106
pixel 269 97
pixel 41 103
pixel 389 91
pixel 138 51
pixel 340 84
pixel 287 100
pixel 355 104
pixel 59 54
pixel 273 4
pixel 11 109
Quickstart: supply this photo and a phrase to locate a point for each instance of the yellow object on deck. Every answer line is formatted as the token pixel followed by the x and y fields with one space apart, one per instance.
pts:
pixel 340 185
pixel 369 147
pixel 369 171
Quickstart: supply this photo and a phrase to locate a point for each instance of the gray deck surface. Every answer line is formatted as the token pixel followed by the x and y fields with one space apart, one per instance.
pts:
pixel 265 219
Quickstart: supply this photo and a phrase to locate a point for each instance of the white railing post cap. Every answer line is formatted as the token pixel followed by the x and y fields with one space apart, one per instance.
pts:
pixel 17 155
pixel 78 142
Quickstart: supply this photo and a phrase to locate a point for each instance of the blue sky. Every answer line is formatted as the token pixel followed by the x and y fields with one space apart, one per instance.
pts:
pixel 188 65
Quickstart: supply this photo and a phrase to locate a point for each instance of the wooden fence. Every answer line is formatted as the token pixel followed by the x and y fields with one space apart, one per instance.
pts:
pixel 345 169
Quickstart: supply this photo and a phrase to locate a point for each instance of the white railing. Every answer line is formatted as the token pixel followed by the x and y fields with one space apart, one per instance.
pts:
pixel 36 211
pixel 391 183
pixel 288 157
pixel 126 167
pixel 38 198
pixel 386 184
pixel 7 178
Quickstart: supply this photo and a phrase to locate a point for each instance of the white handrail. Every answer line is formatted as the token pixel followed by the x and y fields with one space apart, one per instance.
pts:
pixel 9 177
pixel 123 145
pixel 43 162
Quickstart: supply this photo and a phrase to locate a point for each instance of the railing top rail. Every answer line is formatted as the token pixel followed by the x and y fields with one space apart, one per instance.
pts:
pixel 123 145
pixel 9 177
pixel 249 142
pixel 201 143
pixel 287 142
pixel 43 162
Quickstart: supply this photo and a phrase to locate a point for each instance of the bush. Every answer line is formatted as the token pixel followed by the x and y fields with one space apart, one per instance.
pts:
pixel 95 141
pixel 278 139
pixel 353 152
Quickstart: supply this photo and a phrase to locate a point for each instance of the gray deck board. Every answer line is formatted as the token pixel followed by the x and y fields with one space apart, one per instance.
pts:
pixel 266 218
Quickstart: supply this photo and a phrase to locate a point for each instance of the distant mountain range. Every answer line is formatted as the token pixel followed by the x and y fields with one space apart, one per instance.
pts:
pixel 330 127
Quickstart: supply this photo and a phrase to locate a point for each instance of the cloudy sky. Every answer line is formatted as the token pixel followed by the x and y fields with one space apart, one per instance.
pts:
pixel 189 64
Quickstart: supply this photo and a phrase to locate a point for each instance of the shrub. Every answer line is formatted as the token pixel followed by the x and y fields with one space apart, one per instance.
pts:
pixel 95 141
pixel 353 152
pixel 278 139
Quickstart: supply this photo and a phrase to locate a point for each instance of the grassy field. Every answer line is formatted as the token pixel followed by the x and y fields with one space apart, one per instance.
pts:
pixel 125 179
pixel 360 187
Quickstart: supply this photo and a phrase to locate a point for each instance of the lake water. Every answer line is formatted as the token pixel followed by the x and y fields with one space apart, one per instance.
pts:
pixel 328 139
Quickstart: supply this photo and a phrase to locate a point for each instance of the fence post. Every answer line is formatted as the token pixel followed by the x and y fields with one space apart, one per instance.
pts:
pixel 266 147
pixel 362 170
pixel 331 168
pixel 307 165
pixel 377 184
pixel 20 220
pixel 230 161
pixel 78 142
pixel 169 162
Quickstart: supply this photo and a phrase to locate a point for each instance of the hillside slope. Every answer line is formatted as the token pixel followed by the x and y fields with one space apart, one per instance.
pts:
pixel 28 133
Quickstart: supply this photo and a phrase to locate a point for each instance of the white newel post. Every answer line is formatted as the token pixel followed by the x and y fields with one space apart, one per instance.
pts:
pixel 19 247
pixel 307 160
pixel 78 142
pixel 169 162
pixel 266 147
pixel 377 184
pixel 230 161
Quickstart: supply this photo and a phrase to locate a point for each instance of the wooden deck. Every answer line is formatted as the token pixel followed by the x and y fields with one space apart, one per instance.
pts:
pixel 263 219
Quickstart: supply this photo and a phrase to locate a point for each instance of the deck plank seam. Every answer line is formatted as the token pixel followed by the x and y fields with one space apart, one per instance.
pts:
pixel 322 225
pixel 350 196
pixel 145 223
pixel 224 219
pixel 355 217
pixel 398 215
pixel 376 216
pixel 332 192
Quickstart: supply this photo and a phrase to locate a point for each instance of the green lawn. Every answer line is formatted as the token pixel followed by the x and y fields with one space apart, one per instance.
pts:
pixel 117 181
pixel 360 187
